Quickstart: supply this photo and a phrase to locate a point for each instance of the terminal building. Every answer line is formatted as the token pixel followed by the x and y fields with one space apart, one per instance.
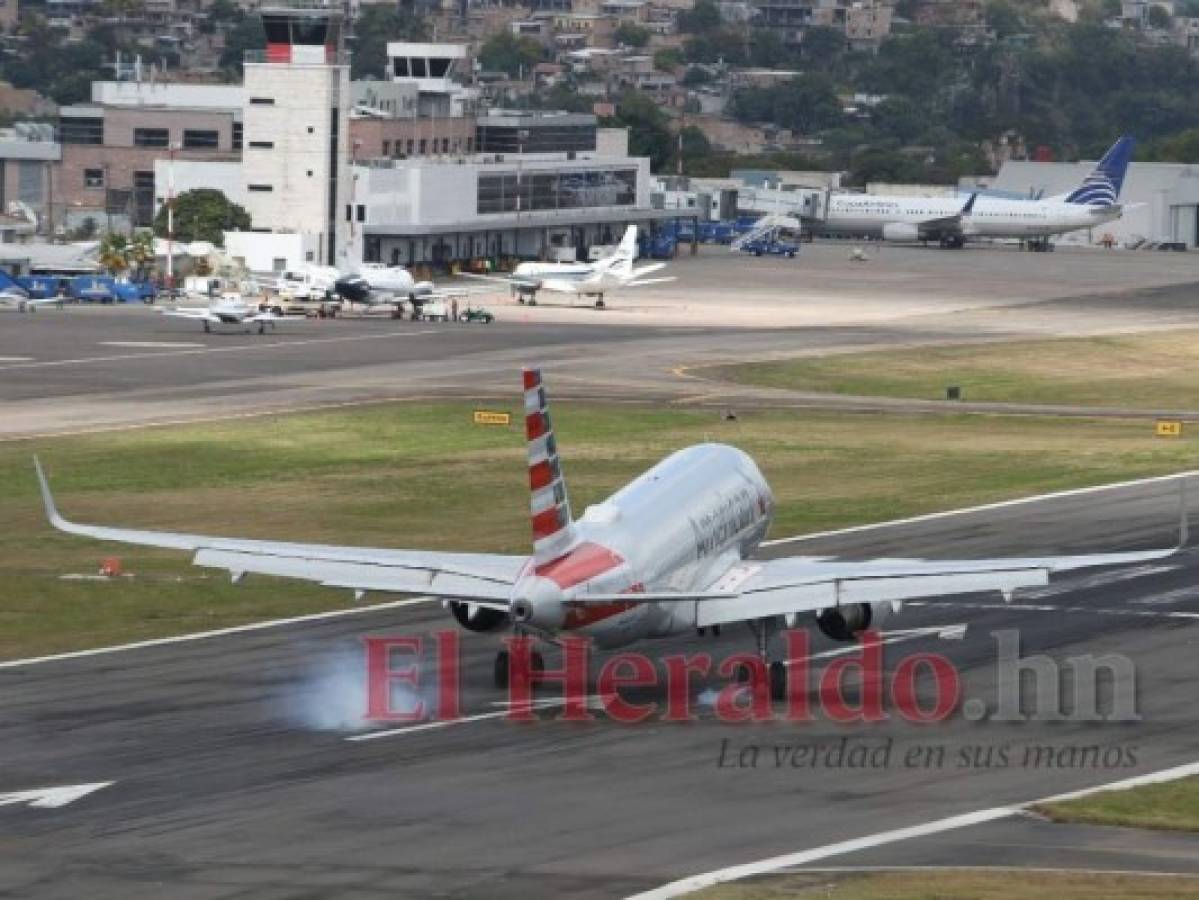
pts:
pixel 410 170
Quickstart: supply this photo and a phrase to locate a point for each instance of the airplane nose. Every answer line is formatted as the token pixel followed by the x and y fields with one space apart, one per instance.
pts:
pixel 538 602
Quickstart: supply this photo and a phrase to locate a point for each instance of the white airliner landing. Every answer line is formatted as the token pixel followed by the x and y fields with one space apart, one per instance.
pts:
pixel 224 312
pixel 594 279
pixel 951 222
pixel 666 554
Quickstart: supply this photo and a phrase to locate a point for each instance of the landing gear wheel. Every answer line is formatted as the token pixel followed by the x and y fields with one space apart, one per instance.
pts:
pixel 778 681
pixel 599 304
pixel 207 328
pixel 262 327
pixel 500 674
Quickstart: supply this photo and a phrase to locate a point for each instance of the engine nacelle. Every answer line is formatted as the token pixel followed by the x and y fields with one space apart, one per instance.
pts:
pixel 900 231
pixel 846 623
pixel 473 617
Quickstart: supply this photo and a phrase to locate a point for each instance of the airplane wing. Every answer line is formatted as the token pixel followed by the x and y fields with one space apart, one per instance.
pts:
pixel 194 313
pixel 482 578
pixel 505 279
pixel 803 584
pixel 642 282
pixel 952 224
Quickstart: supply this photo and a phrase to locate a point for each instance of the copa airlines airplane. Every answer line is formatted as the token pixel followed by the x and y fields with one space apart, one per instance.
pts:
pixel 950 222
pixel 226 311
pixel 592 279
pixel 666 554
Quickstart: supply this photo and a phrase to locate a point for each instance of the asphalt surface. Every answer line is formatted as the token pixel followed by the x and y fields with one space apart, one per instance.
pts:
pixel 233 771
pixel 234 776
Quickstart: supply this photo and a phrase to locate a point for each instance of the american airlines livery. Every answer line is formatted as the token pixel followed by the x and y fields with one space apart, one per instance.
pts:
pixel 667 554
pixel 951 222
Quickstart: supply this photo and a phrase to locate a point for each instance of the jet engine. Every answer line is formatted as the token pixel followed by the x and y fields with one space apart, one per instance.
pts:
pixel 900 231
pixel 845 623
pixel 473 617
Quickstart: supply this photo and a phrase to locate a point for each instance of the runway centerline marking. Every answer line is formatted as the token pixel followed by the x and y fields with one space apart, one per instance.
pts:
pixel 218 632
pixel 15 359
pixel 204 349
pixel 153 345
pixel 868 842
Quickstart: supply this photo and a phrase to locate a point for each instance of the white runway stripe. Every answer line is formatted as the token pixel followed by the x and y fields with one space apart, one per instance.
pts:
pixel 979 817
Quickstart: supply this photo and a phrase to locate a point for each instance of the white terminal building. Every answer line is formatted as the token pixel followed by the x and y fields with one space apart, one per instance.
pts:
pixel 407 170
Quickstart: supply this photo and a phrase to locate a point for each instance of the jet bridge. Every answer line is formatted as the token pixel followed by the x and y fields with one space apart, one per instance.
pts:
pixel 808 205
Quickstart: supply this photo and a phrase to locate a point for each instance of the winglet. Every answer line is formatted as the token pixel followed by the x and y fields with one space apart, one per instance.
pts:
pixel 969 205
pixel 47 498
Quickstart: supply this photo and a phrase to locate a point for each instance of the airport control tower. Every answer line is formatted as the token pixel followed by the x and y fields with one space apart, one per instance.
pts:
pixel 295 128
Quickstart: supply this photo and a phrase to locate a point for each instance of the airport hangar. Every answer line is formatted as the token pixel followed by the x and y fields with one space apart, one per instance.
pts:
pixel 1161 200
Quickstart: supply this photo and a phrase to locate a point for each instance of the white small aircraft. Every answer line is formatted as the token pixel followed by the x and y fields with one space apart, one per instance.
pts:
pixel 23 303
pixel 667 554
pixel 228 310
pixel 591 279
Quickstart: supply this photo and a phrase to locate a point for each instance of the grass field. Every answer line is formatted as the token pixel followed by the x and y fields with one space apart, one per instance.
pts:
pixel 423 476
pixel 958 884
pixel 1173 806
pixel 1144 371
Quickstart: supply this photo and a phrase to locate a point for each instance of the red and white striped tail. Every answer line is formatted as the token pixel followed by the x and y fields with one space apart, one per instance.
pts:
pixel 553 531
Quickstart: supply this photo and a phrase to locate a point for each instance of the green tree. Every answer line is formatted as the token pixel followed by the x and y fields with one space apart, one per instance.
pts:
pixel 823 46
pixel 649 131
pixel 247 34
pixel 377 24
pixel 695 76
pixel 512 55
pixel 701 18
pixel 667 59
pixel 766 49
pixel 695 146
pixel 203 214
pixel 1158 17
pixel 1003 18
pixel 631 35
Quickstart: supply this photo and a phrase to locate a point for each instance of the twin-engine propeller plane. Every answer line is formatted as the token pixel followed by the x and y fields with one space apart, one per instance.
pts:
pixel 227 311
pixel 667 554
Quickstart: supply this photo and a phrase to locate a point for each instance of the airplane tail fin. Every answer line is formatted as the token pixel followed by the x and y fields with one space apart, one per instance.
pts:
pixel 621 262
pixel 549 506
pixel 1102 186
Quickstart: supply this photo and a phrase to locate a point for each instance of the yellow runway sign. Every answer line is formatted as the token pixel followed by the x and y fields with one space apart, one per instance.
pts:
pixel 1168 428
pixel 491 417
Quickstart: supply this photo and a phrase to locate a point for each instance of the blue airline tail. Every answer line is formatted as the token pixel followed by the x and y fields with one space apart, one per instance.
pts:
pixel 1102 186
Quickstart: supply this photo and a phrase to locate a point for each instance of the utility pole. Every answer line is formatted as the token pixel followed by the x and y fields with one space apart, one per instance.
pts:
pixel 171 217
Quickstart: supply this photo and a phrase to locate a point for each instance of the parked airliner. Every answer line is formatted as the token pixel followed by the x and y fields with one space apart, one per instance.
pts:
pixel 667 554
pixel 951 222
pixel 585 279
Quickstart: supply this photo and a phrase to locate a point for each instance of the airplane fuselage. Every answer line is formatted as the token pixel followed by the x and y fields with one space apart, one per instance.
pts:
pixel 678 527
pixel 991 216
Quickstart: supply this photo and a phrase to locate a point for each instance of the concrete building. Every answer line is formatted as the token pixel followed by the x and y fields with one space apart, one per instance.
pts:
pixel 1161 199
pixel 428 211
pixel 296 153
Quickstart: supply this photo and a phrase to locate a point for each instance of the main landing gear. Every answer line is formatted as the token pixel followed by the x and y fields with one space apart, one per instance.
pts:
pixel 502 663
pixel 776 671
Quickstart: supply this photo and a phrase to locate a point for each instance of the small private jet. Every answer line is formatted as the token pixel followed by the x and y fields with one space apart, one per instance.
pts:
pixel 667 554
pixel 613 272
pixel 229 310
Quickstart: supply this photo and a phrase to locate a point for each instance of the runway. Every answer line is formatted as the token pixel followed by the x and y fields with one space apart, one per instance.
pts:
pixel 233 775
pixel 81 369
pixel 232 766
